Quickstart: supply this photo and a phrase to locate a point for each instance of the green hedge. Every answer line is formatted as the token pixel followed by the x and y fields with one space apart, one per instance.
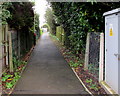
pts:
pixel 79 18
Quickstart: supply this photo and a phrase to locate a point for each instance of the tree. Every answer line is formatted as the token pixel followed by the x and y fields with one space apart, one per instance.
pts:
pixel 22 15
pixel 50 20
pixel 5 13
pixel 36 25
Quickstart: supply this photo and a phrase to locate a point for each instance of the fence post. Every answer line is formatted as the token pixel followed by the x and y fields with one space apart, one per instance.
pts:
pixel 87 52
pixel 6 44
pixel 0 49
pixel 10 53
pixel 62 36
pixel 101 58
pixel 57 32
pixel 18 44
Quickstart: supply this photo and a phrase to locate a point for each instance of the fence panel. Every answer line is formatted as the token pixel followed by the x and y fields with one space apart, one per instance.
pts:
pixel 22 42
pixel 94 52
pixel 26 42
pixel 15 43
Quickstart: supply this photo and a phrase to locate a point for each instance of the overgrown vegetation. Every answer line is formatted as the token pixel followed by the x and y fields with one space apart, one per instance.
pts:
pixel 5 12
pixel 79 18
pixel 12 13
pixel 9 79
pixel 17 64
pixel 36 25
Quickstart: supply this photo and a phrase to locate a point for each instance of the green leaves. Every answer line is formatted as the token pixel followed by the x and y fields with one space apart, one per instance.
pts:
pixel 10 80
pixel 91 84
pixel 94 87
pixel 18 14
pixel 9 85
pixel 72 64
pixel 18 62
pixel 6 77
pixel 17 76
pixel 75 64
pixel 73 21
pixel 78 18
pixel 88 80
pixel 5 14
pixel 51 20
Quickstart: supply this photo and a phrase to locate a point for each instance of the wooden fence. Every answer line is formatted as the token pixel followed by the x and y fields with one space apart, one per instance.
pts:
pixel 14 44
pixel 5 47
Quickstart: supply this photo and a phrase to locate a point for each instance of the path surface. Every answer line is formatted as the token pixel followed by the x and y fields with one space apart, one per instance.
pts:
pixel 48 73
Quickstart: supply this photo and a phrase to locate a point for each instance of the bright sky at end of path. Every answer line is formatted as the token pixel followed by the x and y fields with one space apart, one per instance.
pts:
pixel 40 8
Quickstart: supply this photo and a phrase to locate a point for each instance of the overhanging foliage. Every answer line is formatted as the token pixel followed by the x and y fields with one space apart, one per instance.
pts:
pixel 78 18
pixel 19 15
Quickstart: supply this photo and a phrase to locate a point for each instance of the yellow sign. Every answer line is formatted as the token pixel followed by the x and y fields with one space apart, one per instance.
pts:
pixel 111 32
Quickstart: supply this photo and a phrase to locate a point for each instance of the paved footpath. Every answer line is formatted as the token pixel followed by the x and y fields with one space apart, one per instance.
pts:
pixel 48 73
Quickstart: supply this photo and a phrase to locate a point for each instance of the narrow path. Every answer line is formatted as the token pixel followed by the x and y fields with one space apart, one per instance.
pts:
pixel 48 73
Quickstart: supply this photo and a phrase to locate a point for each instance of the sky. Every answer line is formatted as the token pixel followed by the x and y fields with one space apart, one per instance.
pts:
pixel 40 8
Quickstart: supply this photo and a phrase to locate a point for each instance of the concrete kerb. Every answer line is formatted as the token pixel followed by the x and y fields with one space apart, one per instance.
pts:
pixel 82 82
